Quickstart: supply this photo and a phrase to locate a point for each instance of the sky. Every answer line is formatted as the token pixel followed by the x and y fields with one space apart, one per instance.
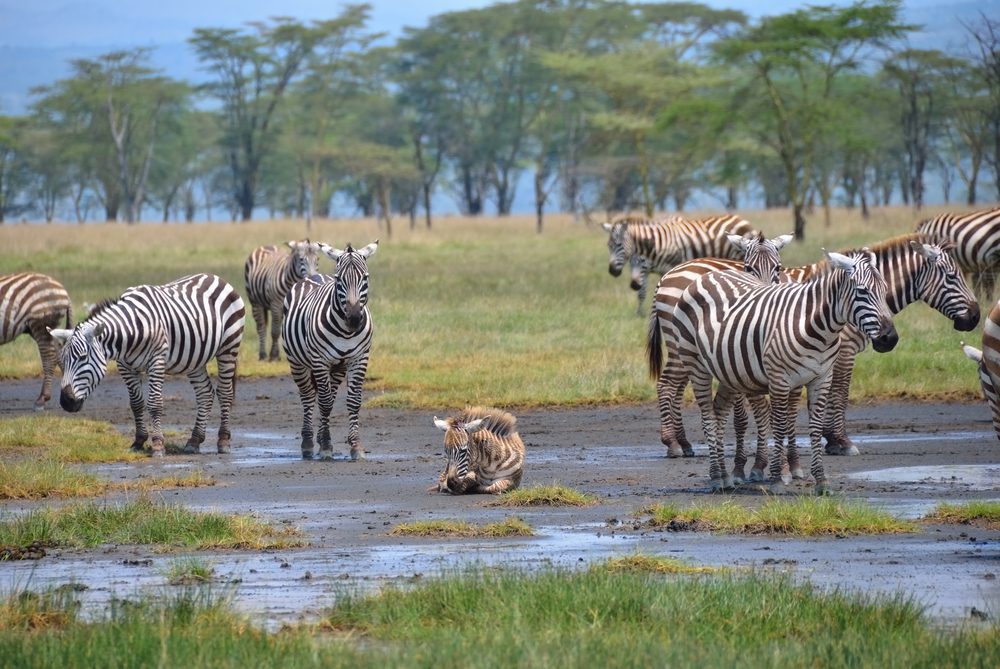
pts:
pixel 39 37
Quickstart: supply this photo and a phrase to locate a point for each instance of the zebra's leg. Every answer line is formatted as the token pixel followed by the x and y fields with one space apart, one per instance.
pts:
pixel 136 402
pixel 275 331
pixel 817 393
pixel 260 320
pixel 779 417
pixel 497 487
pixel 203 393
pixel 669 393
pixel 328 380
pixel 642 291
pixel 835 417
pixel 303 378
pixel 47 352
pixel 740 422
pixel 701 380
pixel 155 373
pixel 357 369
pixel 721 405
pixel 762 420
pixel 225 388
pixel 793 465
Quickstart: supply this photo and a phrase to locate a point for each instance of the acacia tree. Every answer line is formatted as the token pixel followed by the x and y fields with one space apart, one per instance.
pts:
pixel 13 166
pixel 791 63
pixel 986 56
pixel 252 72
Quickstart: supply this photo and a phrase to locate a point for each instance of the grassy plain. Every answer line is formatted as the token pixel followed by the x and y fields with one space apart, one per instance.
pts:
pixel 477 311
pixel 610 617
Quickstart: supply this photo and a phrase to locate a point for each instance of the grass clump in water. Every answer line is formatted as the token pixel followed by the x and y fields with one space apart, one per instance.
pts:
pixel 144 522
pixel 654 564
pixel 189 571
pixel 985 513
pixel 804 516
pixel 40 479
pixel 544 495
pixel 509 527
pixel 64 439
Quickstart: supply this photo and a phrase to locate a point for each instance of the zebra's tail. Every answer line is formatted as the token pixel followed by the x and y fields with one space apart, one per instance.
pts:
pixel 69 317
pixel 654 344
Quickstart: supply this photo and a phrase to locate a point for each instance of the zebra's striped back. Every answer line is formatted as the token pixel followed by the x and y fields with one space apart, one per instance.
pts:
pixel 976 236
pixel 327 332
pixel 484 451
pixel 27 298
pixel 988 360
pixel 31 303
pixel 655 246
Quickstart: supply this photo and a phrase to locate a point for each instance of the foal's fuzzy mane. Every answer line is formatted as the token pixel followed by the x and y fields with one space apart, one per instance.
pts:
pixel 499 422
pixel 100 307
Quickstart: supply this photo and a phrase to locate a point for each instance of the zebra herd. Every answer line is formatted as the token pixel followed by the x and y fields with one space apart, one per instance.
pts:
pixel 732 321
pixel 760 331
pixel 178 327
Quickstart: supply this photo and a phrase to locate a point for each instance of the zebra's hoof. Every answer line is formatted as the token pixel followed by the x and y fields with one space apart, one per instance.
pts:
pixel 674 451
pixel 307 455
pixel 756 476
pixel 688 452
pixel 224 448
pixel 326 454
pixel 797 473
pixel 157 452
pixel 821 490
pixel 852 450
pixel 357 454
pixel 192 449
pixel 786 479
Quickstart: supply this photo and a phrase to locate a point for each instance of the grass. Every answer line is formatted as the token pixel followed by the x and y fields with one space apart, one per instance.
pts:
pixel 144 522
pixel 478 311
pixel 64 439
pixel 544 495
pixel 189 571
pixel 985 513
pixel 597 617
pixel 509 527
pixel 41 479
pixel 654 564
pixel 804 516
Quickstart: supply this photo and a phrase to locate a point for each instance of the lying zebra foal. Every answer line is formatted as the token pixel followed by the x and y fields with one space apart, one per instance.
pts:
pixel 484 451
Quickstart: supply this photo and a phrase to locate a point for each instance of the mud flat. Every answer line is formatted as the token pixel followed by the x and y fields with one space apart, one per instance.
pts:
pixel 913 457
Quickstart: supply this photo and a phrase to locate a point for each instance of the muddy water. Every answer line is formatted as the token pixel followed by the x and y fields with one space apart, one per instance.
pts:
pixel 913 457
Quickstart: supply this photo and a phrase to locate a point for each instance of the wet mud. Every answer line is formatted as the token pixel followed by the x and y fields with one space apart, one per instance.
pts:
pixel 913 456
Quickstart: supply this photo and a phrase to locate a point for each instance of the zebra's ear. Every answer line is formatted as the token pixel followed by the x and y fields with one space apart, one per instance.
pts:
pixel 369 250
pixel 972 352
pixel 475 425
pixel 331 253
pixel 781 241
pixel 839 260
pixel 60 335
pixel 441 424
pixel 737 241
pixel 97 333
pixel 606 226
pixel 926 250
pixel 292 244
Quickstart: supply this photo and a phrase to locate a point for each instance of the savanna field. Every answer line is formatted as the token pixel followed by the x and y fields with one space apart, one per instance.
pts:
pixel 474 311
pixel 480 311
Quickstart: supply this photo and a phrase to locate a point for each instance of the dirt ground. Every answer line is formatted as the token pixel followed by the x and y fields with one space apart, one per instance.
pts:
pixel 913 456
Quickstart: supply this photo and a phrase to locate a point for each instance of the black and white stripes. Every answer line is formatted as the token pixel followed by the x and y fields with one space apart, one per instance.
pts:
pixel 31 303
pixel 976 236
pixel 327 332
pixel 176 328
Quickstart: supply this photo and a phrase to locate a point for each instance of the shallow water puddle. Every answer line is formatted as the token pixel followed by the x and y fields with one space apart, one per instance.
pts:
pixel 937 477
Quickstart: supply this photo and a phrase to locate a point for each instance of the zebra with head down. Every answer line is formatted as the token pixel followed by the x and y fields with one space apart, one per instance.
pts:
pixel 484 452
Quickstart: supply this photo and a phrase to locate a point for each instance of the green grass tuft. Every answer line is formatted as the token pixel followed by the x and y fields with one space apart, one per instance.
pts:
pixel 510 527
pixel 64 439
pixel 544 495
pixel 986 513
pixel 654 564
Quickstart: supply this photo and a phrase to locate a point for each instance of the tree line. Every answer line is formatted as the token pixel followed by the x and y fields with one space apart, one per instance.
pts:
pixel 608 105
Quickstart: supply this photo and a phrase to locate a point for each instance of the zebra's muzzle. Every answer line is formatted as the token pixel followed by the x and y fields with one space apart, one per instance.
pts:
pixel 886 341
pixel 969 320
pixel 68 402
pixel 614 271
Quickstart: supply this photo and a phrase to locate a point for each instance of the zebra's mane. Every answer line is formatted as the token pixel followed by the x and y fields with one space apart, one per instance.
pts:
pixel 99 308
pixel 499 422
pixel 900 241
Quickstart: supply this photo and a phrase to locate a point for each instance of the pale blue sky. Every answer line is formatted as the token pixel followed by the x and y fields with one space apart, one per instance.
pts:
pixel 39 37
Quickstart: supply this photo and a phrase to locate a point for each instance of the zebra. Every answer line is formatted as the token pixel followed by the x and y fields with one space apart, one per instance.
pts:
pixel 988 360
pixel 762 260
pixel 915 267
pixel 151 331
pixel 327 331
pixel 268 275
pixel 31 303
pixel 976 236
pixel 484 451
pixel 760 338
pixel 657 245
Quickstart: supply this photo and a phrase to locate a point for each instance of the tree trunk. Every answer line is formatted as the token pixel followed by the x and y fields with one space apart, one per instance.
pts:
pixel 800 220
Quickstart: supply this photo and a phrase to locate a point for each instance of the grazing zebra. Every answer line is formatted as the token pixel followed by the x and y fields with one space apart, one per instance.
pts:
pixel 657 245
pixel 485 453
pixel 328 333
pixel 760 338
pixel 269 274
pixel 32 303
pixel 915 267
pixel 976 237
pixel 988 360
pixel 175 328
